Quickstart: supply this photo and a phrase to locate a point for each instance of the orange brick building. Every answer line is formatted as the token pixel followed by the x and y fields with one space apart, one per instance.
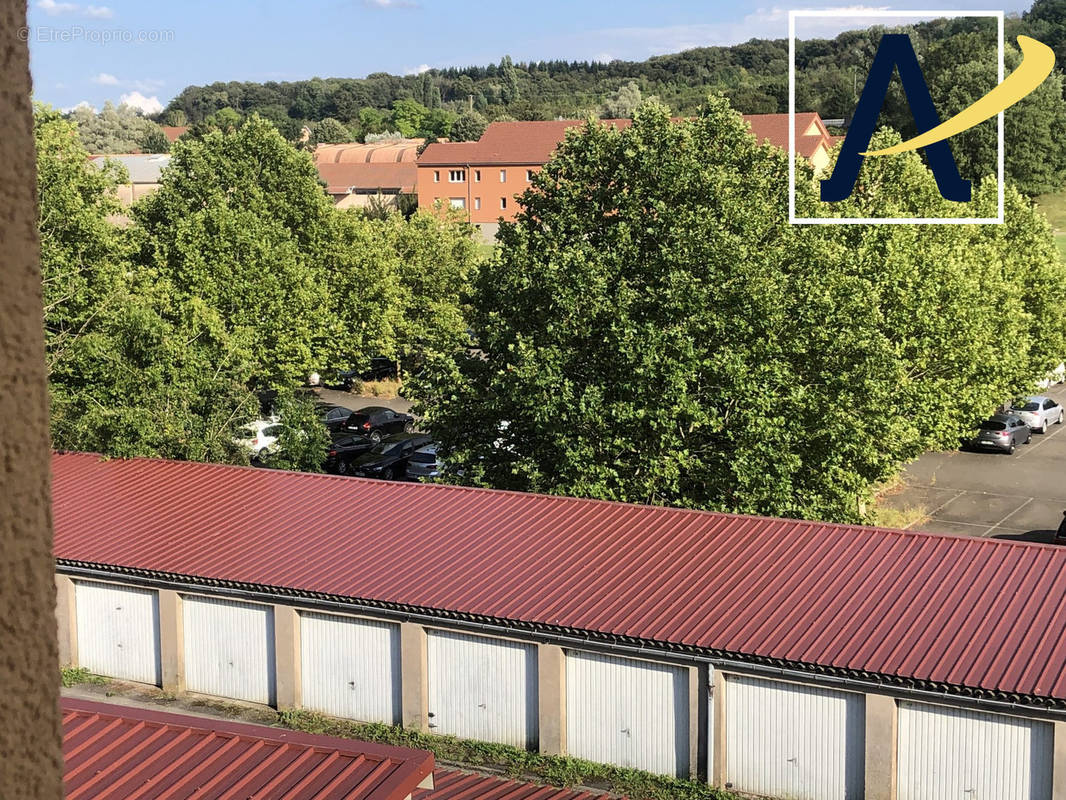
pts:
pixel 485 176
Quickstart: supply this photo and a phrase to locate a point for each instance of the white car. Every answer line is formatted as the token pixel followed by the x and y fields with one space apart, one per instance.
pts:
pixel 1038 412
pixel 260 438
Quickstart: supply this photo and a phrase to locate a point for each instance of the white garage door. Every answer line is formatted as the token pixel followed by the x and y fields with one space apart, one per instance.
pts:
pixel 482 688
pixel 118 631
pixel 789 740
pixel 627 712
pixel 954 754
pixel 350 667
pixel 229 649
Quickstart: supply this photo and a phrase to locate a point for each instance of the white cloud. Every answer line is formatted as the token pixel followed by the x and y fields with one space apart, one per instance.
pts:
pixel 105 79
pixel 417 70
pixel 54 9
pixel 83 104
pixel 146 105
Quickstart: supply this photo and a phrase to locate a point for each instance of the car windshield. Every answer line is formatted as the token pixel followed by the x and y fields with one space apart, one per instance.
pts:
pixel 424 457
pixel 1026 407
pixel 993 425
pixel 273 430
pixel 387 448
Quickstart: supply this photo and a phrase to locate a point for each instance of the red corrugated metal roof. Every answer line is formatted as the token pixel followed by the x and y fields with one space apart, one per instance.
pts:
pixel 980 614
pixel 124 753
pixel 367 177
pixel 450 784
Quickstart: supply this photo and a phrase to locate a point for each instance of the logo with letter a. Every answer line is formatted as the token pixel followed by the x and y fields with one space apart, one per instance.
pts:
pixel 895 52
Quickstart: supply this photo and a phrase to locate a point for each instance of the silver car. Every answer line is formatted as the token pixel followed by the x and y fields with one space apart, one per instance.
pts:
pixel 1002 432
pixel 1038 412
pixel 423 464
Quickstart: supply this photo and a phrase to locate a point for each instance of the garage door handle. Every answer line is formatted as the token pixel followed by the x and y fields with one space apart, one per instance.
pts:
pixel 791 760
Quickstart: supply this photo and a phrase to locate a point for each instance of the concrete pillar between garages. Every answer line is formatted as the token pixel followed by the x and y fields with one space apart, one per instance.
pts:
pixel 697 721
pixel 171 641
pixel 287 676
pixel 551 699
pixel 67 621
pixel 1058 764
pixel 717 757
pixel 880 747
pixel 414 679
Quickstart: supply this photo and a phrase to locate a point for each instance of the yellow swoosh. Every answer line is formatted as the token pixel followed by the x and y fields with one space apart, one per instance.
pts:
pixel 1037 62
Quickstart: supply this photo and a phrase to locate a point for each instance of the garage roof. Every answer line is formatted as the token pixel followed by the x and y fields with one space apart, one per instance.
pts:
pixel 973 616
pixel 124 753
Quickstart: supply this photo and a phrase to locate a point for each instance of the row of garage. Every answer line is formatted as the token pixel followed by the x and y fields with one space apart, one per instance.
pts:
pixel 764 736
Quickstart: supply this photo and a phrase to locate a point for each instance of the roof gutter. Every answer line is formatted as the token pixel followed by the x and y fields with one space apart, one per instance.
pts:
pixel 1051 709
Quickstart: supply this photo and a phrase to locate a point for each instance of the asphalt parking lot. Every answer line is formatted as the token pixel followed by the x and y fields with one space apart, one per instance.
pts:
pixel 1021 496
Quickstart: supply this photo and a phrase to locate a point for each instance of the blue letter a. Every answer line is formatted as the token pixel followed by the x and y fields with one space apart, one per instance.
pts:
pixel 894 51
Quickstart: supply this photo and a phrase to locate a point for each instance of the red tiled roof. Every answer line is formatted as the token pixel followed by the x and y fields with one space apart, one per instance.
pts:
pixel 978 616
pixel 534 142
pixel 774 128
pixel 368 177
pixel 450 784
pixel 173 132
pixel 508 143
pixel 116 752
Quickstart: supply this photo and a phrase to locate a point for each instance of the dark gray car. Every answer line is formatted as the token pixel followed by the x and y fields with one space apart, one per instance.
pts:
pixel 1002 432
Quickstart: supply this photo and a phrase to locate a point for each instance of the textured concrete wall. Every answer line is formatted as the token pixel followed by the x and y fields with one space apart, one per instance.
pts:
pixel 29 737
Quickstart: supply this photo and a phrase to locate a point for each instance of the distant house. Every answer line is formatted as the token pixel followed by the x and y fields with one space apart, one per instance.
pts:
pixel 354 173
pixel 484 177
pixel 174 132
pixel 145 170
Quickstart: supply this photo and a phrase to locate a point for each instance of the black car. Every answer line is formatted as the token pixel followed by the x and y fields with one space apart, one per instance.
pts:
pixel 333 417
pixel 1002 432
pixel 390 457
pixel 343 450
pixel 377 422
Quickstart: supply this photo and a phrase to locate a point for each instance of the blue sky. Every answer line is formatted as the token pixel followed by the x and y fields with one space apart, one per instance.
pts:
pixel 147 52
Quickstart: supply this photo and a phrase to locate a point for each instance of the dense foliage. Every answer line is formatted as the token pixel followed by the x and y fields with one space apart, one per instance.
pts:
pixel 653 330
pixel 958 57
pixel 237 277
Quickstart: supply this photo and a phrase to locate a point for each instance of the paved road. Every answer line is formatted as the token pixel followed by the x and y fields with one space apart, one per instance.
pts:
pixel 988 494
pixel 355 402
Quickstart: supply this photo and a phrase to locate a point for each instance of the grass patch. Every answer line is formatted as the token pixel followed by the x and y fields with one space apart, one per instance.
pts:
pixel 511 761
pixel 1054 207
pixel 73 676
pixel 885 516
pixel 384 389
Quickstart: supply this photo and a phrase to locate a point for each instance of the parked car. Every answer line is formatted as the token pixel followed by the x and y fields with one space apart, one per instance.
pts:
pixel 333 417
pixel 343 450
pixel 1038 412
pixel 377 422
pixel 1002 432
pixel 424 464
pixel 260 438
pixel 381 369
pixel 390 457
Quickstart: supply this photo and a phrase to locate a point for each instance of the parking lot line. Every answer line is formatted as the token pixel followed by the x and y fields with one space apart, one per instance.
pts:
pixel 949 500
pixel 1043 438
pixel 1011 514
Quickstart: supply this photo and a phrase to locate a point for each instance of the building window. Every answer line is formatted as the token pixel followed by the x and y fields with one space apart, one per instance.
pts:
pixel 503 202
pixel 503 176
pixel 456 175
pixel 477 176
pixel 436 176
pixel 477 204
pixel 529 175
pixel 457 202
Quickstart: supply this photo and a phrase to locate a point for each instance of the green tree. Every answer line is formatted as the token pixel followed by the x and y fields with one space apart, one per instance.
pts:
pixel 330 131
pixel 623 103
pixel 303 440
pixel 154 141
pixel 408 116
pixel 237 227
pixel 651 329
pixel 113 130
pixel 468 127
pixel 509 92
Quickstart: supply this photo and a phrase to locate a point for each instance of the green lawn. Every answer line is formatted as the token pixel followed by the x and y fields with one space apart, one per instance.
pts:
pixel 1054 205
